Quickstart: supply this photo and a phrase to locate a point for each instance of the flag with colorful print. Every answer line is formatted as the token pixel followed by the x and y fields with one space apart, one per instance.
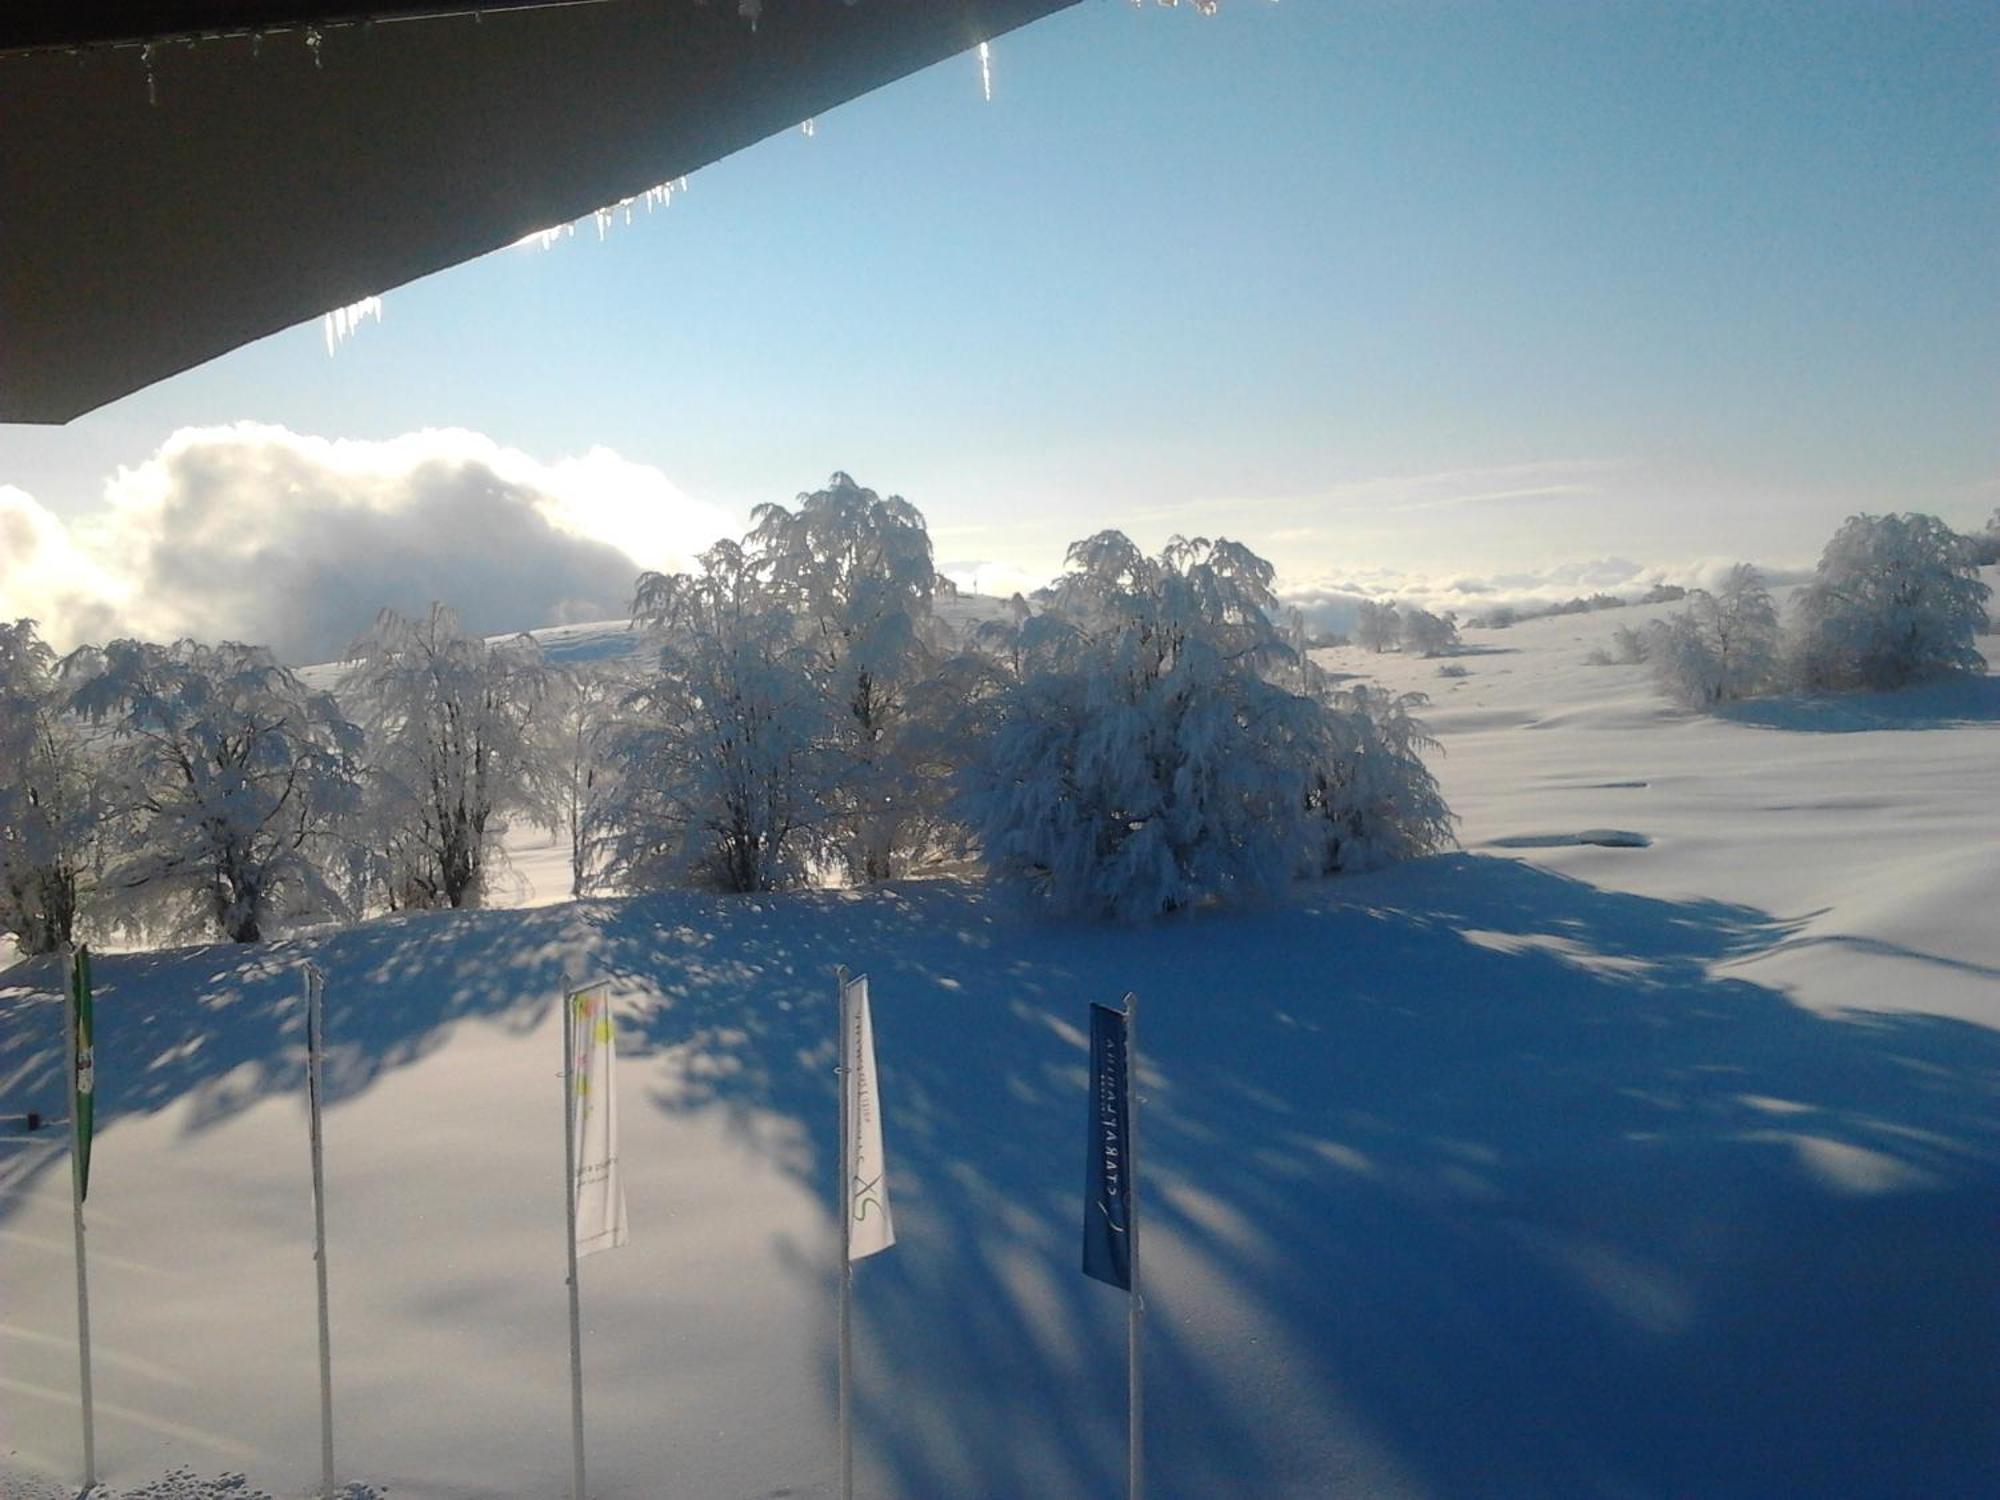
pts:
pixel 869 1228
pixel 83 1083
pixel 600 1196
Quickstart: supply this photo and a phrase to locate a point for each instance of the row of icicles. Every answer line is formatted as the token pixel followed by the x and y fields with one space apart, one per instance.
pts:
pixel 340 324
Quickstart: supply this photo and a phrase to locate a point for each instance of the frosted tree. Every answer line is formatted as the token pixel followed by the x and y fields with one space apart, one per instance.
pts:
pixel 855 572
pixel 1683 663
pixel 1427 634
pixel 51 805
pixel 1377 626
pixel 1723 647
pixel 1628 646
pixel 1007 639
pixel 1147 758
pixel 1298 639
pixel 1740 622
pixel 579 770
pixel 230 781
pixel 725 770
pixel 1379 800
pixel 1895 599
pixel 452 725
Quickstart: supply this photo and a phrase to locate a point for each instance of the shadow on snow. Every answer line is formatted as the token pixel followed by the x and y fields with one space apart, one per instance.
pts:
pixel 1949 703
pixel 1461 1180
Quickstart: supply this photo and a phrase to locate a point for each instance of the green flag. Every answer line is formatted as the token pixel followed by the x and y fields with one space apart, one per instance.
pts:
pixel 83 1085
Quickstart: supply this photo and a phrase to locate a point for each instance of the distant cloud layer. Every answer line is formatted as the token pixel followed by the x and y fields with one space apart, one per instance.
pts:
pixel 1330 603
pixel 259 534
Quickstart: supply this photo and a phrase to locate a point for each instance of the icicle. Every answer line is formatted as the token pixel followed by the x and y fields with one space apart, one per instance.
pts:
pixel 806 127
pixel 256 42
pixel 543 239
pixel 340 325
pixel 313 42
pixel 152 85
pixel 986 70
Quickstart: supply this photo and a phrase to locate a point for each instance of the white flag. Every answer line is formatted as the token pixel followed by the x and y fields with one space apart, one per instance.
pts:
pixel 868 1225
pixel 600 1196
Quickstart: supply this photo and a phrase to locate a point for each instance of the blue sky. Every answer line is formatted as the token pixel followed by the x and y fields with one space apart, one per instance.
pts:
pixel 1398 288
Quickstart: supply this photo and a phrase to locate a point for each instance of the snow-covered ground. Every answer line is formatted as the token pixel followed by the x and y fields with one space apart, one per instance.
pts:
pixel 1658 1166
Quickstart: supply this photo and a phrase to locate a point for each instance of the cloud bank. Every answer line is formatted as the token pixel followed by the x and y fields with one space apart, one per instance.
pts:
pixel 1329 603
pixel 256 533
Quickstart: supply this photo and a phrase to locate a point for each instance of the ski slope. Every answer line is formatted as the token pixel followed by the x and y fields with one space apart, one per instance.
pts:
pixel 1659 1166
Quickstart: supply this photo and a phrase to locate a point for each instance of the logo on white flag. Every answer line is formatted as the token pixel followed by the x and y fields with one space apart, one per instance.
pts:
pixel 869 1228
pixel 600 1196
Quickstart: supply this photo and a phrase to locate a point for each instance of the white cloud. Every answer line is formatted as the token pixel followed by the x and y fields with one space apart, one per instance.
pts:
pixel 1330 600
pixel 45 576
pixel 258 533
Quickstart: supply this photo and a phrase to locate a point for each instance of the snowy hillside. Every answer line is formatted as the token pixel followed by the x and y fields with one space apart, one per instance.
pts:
pixel 1664 1165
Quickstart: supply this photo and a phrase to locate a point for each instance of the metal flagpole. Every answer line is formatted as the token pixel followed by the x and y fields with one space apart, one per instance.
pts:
pixel 1135 1436
pixel 70 1003
pixel 315 998
pixel 569 1215
pixel 846 1246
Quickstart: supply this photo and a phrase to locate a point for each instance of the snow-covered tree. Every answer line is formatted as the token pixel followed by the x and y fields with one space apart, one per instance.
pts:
pixel 725 770
pixel 1377 626
pixel 1007 640
pixel 1682 662
pixel 855 572
pixel 452 735
pixel 1626 648
pixel 1148 758
pixel 1299 641
pixel 1895 599
pixel 1984 545
pixel 1740 622
pixel 51 805
pixel 1379 800
pixel 230 780
pixel 579 769
pixel 1427 634
pixel 1723 647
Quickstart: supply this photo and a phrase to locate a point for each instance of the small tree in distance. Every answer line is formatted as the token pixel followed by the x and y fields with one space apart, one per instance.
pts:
pixel 579 771
pixel 451 723
pixel 1377 626
pixel 1426 634
pixel 1723 647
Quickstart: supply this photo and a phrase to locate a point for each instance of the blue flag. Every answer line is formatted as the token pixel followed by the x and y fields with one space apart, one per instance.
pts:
pixel 1108 1231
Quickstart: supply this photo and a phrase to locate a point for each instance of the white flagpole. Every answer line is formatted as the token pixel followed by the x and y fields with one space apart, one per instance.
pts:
pixel 315 998
pixel 846 1246
pixel 1135 1436
pixel 76 1213
pixel 569 1215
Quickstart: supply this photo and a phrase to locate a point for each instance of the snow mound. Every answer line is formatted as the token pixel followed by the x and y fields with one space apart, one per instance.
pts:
pixel 1605 838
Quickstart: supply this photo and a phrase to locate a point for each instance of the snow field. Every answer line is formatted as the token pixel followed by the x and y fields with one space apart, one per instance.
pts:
pixel 1549 1168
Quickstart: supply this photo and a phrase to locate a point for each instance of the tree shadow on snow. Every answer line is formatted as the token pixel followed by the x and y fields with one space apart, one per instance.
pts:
pixel 224 1026
pixel 1949 703
pixel 1469 1179
pixel 1466 1179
